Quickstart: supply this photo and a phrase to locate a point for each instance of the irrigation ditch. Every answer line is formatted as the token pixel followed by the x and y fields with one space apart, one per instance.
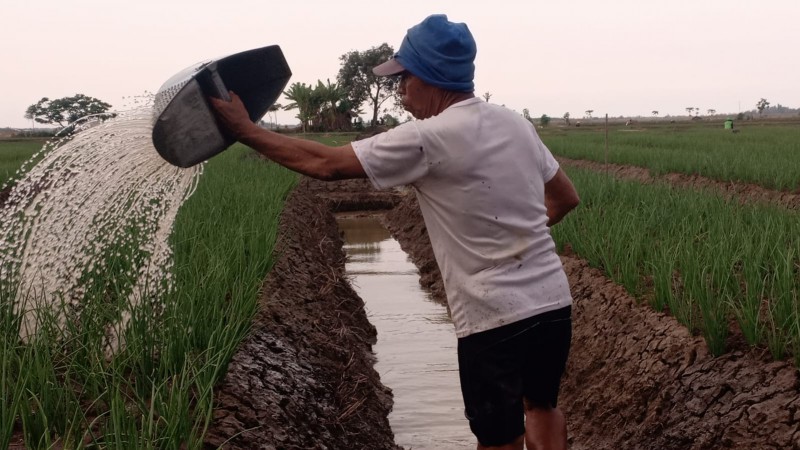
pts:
pixel 636 379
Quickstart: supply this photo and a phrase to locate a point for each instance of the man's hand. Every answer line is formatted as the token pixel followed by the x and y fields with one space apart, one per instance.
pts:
pixel 233 116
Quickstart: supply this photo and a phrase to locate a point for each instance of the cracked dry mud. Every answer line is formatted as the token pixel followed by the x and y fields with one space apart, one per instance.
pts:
pixel 636 378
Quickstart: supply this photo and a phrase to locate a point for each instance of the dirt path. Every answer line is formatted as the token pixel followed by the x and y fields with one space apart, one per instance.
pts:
pixel 741 191
pixel 636 378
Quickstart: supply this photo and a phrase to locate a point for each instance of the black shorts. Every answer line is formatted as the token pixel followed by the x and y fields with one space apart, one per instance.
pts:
pixel 500 367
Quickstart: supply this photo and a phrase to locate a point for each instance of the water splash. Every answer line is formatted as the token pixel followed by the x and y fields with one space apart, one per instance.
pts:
pixel 92 219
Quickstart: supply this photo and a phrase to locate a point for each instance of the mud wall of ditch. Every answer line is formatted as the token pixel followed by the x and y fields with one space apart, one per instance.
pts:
pixel 637 379
pixel 304 377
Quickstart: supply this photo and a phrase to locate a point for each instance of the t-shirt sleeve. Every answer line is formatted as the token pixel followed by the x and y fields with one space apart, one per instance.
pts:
pixel 393 158
pixel 549 164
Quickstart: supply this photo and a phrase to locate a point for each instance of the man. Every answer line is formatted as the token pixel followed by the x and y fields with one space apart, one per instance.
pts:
pixel 489 190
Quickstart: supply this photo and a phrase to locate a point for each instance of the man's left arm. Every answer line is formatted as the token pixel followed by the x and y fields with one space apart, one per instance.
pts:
pixel 560 197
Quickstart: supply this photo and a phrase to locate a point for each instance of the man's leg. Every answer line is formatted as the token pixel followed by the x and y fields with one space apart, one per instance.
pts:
pixel 545 428
pixel 491 384
pixel 516 445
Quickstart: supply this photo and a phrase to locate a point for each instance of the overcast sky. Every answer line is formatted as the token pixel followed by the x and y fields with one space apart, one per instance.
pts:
pixel 621 57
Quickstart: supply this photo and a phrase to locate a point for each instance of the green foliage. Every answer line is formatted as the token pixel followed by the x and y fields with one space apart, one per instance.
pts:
pixel 66 110
pixel 323 107
pixel 61 390
pixel 13 154
pixel 705 259
pixel 301 96
pixel 360 84
pixel 389 120
pixel 761 105
pixel 544 120
pixel 764 155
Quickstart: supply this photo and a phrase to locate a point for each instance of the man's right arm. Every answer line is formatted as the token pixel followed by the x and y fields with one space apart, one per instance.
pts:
pixel 307 157
pixel 560 197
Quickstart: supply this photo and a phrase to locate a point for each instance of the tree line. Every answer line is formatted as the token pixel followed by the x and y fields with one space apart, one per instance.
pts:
pixel 328 106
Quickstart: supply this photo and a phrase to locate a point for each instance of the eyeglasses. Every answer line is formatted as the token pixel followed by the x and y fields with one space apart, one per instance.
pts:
pixel 403 76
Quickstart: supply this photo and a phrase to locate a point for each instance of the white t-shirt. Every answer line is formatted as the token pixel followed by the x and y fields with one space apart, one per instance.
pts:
pixel 478 170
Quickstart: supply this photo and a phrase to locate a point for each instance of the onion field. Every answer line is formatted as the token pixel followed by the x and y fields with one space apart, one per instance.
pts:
pixel 722 267
pixel 767 155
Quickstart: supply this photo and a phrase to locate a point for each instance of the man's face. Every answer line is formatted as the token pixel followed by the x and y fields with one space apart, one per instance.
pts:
pixel 417 96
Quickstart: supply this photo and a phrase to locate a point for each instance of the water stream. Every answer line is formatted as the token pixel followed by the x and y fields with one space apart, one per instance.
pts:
pixel 416 346
pixel 94 215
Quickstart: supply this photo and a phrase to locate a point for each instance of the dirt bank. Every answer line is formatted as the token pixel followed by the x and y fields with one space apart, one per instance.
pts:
pixel 636 378
pixel 304 378
pixel 743 192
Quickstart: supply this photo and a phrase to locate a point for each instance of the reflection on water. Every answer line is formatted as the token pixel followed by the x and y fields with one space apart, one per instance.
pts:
pixel 416 346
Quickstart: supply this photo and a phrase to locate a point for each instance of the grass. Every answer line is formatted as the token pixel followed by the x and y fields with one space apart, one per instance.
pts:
pixel 63 389
pixel 766 155
pixel 13 153
pixel 334 139
pixel 705 259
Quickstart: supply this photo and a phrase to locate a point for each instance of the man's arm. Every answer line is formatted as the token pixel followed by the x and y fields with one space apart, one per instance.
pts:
pixel 560 197
pixel 307 157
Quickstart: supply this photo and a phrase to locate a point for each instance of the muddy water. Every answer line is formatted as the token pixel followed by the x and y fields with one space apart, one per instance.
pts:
pixel 416 346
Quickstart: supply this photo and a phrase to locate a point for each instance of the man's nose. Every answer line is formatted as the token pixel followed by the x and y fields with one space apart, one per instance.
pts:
pixel 401 87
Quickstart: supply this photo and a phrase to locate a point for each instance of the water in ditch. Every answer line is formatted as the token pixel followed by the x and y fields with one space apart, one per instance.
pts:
pixel 416 347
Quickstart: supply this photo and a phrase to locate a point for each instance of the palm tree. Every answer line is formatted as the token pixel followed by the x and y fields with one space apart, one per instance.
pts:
pixel 655 113
pixel 329 96
pixel 300 94
pixel 274 110
pixel 589 113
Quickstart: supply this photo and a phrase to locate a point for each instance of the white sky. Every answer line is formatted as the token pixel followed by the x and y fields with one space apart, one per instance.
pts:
pixel 621 57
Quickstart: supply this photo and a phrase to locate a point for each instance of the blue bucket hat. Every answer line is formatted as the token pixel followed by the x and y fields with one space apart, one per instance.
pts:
pixel 440 52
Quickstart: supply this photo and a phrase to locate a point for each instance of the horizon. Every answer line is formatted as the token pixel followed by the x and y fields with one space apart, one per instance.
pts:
pixel 750 115
pixel 625 59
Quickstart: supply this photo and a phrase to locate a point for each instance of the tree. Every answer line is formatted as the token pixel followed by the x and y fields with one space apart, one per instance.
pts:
pixel 389 120
pixel 274 110
pixel 544 120
pixel 762 105
pixel 589 113
pixel 711 112
pixel 526 114
pixel 566 118
pixel 300 94
pixel 360 84
pixel 66 110
pixel 325 97
pixel 334 112
pixel 655 113
pixel 487 95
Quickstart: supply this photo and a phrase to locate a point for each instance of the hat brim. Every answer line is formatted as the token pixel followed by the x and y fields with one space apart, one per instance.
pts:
pixel 390 67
